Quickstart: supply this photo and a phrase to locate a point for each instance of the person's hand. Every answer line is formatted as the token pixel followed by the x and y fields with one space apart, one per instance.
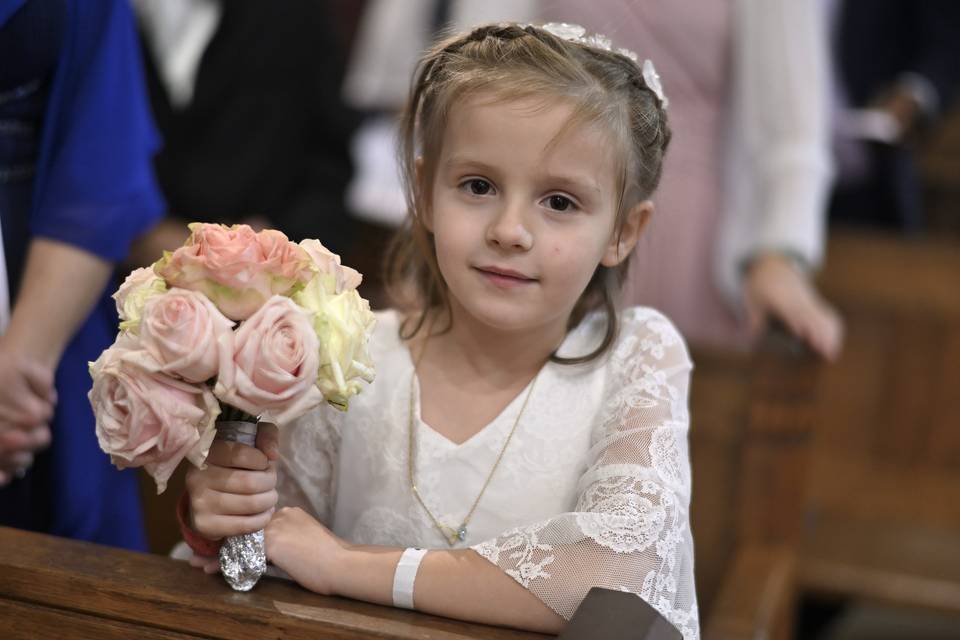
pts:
pixel 27 402
pixel 237 492
pixel 775 287
pixel 308 551
pixel 901 104
pixel 17 447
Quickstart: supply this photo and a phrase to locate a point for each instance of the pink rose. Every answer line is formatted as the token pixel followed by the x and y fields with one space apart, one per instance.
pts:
pixel 272 370
pixel 283 258
pixel 328 263
pixel 230 266
pixel 149 419
pixel 180 335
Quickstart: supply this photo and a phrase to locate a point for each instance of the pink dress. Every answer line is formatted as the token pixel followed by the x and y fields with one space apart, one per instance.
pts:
pixel 689 42
pixel 749 168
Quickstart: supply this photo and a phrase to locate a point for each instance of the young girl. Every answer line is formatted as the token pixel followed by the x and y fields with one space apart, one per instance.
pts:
pixel 520 429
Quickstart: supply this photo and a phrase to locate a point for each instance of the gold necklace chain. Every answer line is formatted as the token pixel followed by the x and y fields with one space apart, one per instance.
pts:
pixel 449 533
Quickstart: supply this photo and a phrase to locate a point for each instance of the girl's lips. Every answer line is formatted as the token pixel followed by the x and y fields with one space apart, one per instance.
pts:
pixel 504 277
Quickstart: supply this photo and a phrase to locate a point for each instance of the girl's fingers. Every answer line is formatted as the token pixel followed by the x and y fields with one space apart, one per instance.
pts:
pixel 237 456
pixel 225 480
pixel 215 527
pixel 232 504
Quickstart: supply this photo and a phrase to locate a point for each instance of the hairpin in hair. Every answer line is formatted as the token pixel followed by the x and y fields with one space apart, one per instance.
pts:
pixel 576 33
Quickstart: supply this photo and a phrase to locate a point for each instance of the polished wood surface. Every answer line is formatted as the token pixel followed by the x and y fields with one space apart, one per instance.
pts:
pixel 52 587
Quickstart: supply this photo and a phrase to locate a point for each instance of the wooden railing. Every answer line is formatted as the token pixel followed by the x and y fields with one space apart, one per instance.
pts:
pixel 56 588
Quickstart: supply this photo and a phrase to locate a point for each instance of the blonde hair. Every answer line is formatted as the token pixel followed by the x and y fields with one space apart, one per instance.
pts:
pixel 510 62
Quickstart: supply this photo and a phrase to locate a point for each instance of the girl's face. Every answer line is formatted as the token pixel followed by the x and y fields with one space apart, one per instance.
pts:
pixel 521 217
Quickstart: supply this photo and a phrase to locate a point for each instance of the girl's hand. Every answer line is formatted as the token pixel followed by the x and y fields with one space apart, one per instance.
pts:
pixel 776 287
pixel 305 549
pixel 236 493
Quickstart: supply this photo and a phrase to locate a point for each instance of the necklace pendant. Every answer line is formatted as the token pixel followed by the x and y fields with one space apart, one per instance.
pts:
pixel 462 533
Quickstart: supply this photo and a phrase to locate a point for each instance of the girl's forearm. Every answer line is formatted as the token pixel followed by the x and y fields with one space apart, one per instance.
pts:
pixel 457 584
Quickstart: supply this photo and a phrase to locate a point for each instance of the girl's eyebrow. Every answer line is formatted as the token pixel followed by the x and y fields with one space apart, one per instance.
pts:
pixel 574 183
pixel 461 161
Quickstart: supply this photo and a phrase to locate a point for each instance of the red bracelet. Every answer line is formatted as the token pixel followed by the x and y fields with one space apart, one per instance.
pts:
pixel 201 546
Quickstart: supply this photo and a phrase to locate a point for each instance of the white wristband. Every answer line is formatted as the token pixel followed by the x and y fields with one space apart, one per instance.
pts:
pixel 405 575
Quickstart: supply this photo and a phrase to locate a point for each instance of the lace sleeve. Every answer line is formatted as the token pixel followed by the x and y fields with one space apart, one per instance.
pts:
pixel 630 528
pixel 309 453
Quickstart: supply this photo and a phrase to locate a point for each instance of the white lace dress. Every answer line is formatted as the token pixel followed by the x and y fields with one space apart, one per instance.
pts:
pixel 594 489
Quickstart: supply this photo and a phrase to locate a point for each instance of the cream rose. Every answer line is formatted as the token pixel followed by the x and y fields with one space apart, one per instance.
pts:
pixel 335 276
pixel 146 419
pixel 343 324
pixel 141 285
pixel 181 333
pixel 272 369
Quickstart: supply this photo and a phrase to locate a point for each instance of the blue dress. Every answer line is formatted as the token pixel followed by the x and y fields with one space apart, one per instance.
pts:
pixel 76 143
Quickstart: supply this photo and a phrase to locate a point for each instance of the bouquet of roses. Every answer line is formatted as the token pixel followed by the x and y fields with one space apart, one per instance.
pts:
pixel 234 321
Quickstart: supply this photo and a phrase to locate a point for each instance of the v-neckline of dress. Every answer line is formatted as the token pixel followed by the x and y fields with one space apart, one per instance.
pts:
pixel 492 424
pixel 423 425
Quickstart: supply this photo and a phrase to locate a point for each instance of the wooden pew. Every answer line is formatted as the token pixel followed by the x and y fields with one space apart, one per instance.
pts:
pixel 751 426
pixel 883 521
pixel 57 588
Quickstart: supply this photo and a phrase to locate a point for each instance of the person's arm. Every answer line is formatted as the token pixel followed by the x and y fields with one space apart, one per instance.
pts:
pixel 628 531
pixel 95 192
pixel 456 583
pixel 61 283
pixel 780 93
pixel 773 234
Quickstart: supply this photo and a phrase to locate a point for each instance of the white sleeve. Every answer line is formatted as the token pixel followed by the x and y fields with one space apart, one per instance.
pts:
pixel 630 528
pixel 309 454
pixel 778 169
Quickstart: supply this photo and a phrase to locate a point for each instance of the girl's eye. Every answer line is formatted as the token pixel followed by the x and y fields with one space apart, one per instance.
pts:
pixel 478 187
pixel 559 203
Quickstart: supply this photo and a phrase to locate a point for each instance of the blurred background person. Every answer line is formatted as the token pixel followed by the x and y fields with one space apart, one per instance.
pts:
pixel 246 96
pixel 746 178
pixel 897 72
pixel 76 187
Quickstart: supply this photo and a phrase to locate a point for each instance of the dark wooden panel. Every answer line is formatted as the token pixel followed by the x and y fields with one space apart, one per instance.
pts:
pixel 166 595
pixel 24 621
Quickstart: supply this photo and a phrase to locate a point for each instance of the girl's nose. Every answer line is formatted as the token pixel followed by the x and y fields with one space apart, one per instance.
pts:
pixel 508 231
